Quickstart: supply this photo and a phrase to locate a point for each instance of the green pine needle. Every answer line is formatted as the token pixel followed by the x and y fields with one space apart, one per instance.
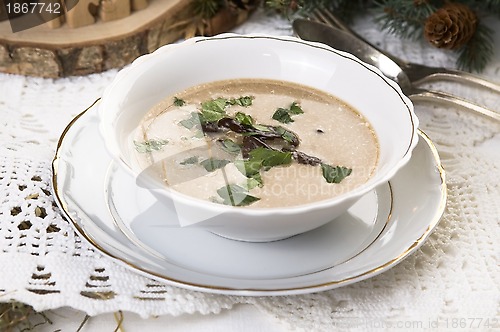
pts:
pixel 479 50
pixel 404 19
pixel 347 9
pixel 207 8
pixel 487 6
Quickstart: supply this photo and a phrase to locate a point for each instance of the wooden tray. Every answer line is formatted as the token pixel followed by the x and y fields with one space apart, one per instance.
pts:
pixel 64 51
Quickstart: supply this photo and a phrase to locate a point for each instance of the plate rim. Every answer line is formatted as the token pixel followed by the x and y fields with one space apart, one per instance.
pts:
pixel 316 287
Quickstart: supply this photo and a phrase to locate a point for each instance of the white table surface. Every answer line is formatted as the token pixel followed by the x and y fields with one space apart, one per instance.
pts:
pixel 241 318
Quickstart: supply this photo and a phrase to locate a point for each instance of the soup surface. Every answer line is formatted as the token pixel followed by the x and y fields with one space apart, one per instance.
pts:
pixel 256 143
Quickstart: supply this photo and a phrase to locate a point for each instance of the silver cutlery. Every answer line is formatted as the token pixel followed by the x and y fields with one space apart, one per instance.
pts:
pixel 344 41
pixel 417 73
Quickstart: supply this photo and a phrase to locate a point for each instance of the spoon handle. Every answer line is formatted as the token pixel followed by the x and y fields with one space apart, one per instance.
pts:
pixel 421 94
pixel 419 74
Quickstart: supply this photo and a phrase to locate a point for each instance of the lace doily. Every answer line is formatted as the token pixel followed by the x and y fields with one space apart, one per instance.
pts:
pixel 455 275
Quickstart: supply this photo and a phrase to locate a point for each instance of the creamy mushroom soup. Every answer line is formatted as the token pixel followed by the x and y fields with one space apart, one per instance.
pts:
pixel 256 143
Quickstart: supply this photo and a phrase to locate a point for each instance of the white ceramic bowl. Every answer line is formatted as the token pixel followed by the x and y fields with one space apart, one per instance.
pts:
pixel 173 68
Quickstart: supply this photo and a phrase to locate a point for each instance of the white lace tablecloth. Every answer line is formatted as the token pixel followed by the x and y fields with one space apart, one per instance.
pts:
pixel 454 278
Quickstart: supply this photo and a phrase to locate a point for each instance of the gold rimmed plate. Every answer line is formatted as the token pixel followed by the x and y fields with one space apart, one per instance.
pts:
pixel 125 222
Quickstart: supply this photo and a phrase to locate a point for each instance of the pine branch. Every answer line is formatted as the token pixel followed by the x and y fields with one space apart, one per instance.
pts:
pixel 487 6
pixel 347 9
pixel 479 50
pixel 278 5
pixel 404 18
pixel 207 8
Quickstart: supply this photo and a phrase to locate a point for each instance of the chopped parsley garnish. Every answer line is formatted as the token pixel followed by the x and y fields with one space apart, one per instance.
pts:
pixel 295 109
pixel 284 115
pixel 236 195
pixel 260 159
pixel 244 101
pixel 269 157
pixel 214 110
pixel 249 168
pixel 212 164
pixel 244 119
pixel 179 102
pixel 254 181
pixel 263 128
pixel 194 121
pixel 149 145
pixel 287 135
pixel 190 161
pixel 229 146
pixel 260 146
pixel 335 174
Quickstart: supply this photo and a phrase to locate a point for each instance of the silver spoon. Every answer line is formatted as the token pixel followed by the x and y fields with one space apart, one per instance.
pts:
pixel 343 41
pixel 417 73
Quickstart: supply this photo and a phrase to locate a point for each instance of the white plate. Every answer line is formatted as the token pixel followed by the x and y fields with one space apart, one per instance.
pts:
pixel 127 223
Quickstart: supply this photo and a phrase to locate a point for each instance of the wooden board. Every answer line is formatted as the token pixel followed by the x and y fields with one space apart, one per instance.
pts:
pixel 60 52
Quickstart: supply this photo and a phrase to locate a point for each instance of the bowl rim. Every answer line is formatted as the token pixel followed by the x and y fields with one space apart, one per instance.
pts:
pixel 115 150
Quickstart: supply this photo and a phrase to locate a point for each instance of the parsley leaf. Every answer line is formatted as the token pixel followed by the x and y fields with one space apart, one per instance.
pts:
pixel 215 105
pixel 149 145
pixel 244 119
pixel 213 164
pixel 270 157
pixel 179 102
pixel 236 195
pixel 244 101
pixel 287 135
pixel 199 134
pixel 249 168
pixel 254 181
pixel 263 128
pixel 211 116
pixel 295 109
pixel 262 158
pixel 194 121
pixel 229 146
pixel 284 115
pixel 335 174
pixel 214 110
pixel 190 161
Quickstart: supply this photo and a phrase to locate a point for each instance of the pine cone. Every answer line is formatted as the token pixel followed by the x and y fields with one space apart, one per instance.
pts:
pixel 451 26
